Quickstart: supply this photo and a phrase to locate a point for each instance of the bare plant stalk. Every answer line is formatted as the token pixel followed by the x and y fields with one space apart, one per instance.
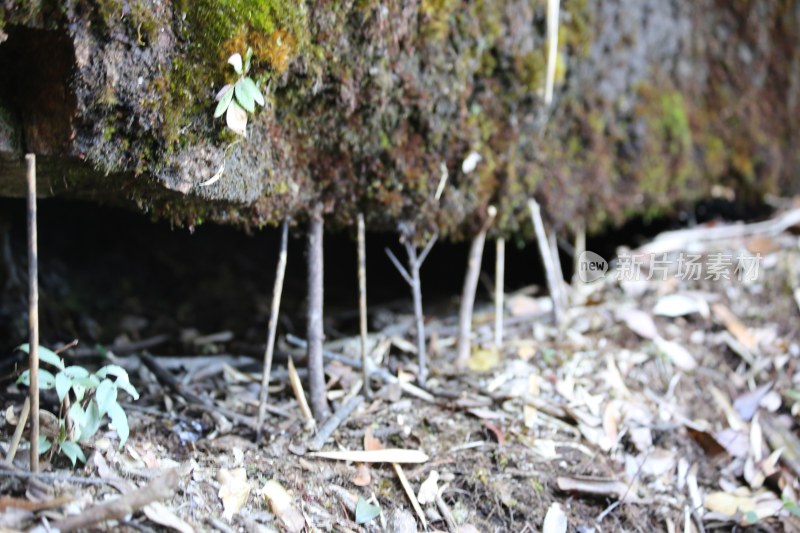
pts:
pixel 277 290
pixel 362 302
pixel 316 334
pixel 468 293
pixel 547 258
pixel 33 311
pixel 580 249
pixel 412 277
pixel 563 296
pixel 499 295
pixel 552 49
pixel 23 419
pixel 334 421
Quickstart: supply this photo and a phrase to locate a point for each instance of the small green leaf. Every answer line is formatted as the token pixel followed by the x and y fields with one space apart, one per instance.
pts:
pixel 91 422
pixel 45 355
pixel 73 451
pixel 63 383
pixel 112 370
pixel 46 379
pixel 224 102
pixel 243 96
pixel 106 396
pixel 89 382
pixel 78 416
pixel 236 61
pixel 250 87
pixel 366 511
pixel 247 57
pixel 791 506
pixel 75 371
pixel 44 444
pixel 125 385
pixel 120 421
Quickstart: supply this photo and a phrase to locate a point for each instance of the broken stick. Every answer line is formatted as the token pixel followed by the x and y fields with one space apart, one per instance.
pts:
pixel 468 293
pixel 277 290
pixel 315 333
pixel 547 259
pixel 33 311
pixel 334 421
pixel 499 295
pixel 161 488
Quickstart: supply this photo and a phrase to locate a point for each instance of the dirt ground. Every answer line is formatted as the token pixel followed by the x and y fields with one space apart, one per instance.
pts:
pixel 660 404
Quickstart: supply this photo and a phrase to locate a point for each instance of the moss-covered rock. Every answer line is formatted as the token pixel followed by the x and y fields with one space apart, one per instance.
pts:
pixel 370 103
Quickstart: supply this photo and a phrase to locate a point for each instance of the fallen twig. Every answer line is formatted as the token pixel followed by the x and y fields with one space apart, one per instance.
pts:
pixel 33 311
pixel 334 421
pixel 273 328
pixel 161 488
pixel 384 455
pixel 299 393
pixel 468 293
pixel 499 294
pixel 410 493
pixel 23 419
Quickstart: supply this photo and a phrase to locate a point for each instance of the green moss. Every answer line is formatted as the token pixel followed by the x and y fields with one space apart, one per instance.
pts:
pixel 436 16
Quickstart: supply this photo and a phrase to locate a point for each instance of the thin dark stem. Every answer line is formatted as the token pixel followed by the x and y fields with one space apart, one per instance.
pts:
pixel 315 334
pixel 33 311
pixel 334 421
pixel 277 290
pixel 362 302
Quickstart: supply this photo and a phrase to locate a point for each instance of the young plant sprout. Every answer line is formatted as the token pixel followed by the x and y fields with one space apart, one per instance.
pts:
pixel 238 99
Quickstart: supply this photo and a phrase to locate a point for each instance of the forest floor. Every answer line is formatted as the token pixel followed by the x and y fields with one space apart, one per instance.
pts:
pixel 666 400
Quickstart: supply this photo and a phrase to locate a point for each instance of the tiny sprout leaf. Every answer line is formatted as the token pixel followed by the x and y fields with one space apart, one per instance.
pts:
pixel 112 370
pixel 236 118
pixel 236 61
pixel 250 87
pixel 125 385
pixel 91 421
pixel 46 379
pixel 76 372
pixel 224 101
pixel 73 451
pixel 366 511
pixel 45 355
pixel 44 444
pixel 245 96
pixel 120 421
pixel 221 92
pixel 247 57
pixel 78 415
pixel 63 384
pixel 106 396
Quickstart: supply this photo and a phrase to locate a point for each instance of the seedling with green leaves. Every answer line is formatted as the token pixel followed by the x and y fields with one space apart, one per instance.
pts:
pixel 238 99
pixel 86 399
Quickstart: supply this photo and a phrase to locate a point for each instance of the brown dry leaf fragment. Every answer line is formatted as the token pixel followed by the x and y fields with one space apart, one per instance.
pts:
pixel 282 505
pixel 160 514
pixel 555 521
pixel 363 477
pixel 742 502
pixel 371 443
pixel 735 326
pixel 234 491
pixel 747 404
pixel 722 401
pixel 706 441
pixel 639 322
pixel 677 354
pixel 498 433
pixel 597 487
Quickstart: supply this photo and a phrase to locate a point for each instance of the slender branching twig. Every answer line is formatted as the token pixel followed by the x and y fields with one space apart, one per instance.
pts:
pixel 412 277
pixel 468 293
pixel 277 290
pixel 315 334
pixel 33 311
pixel 547 258
pixel 334 421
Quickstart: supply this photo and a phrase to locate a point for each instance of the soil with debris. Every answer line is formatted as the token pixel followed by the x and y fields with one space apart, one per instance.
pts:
pixel 662 403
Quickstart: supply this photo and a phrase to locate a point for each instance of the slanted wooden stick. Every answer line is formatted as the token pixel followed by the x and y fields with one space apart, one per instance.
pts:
pixel 334 421
pixel 315 334
pixel 415 262
pixel 547 258
pixel 362 302
pixel 580 248
pixel 468 293
pixel 552 49
pixel 499 288
pixel 561 286
pixel 277 290
pixel 33 311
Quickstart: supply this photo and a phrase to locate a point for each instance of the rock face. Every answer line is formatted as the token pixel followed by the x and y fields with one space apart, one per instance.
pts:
pixel 369 103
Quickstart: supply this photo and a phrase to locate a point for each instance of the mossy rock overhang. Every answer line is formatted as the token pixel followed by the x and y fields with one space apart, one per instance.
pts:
pixel 370 103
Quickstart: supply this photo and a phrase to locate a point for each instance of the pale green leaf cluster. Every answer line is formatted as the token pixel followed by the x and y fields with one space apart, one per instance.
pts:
pixel 237 99
pixel 94 396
